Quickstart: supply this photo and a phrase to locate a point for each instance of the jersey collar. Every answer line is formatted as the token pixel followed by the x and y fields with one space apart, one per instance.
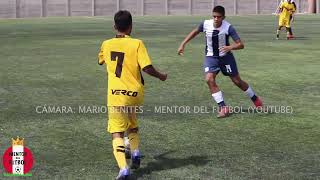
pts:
pixel 122 36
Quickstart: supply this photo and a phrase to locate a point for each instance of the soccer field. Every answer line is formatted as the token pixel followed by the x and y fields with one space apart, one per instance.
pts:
pixel 52 62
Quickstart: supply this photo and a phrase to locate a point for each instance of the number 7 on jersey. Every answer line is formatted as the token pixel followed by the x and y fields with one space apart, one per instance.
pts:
pixel 119 57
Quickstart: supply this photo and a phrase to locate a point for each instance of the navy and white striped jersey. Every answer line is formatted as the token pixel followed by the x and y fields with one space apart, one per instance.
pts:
pixel 217 37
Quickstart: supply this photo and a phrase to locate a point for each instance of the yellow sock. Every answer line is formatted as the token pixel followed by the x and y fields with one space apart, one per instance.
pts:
pixel 134 141
pixel 119 152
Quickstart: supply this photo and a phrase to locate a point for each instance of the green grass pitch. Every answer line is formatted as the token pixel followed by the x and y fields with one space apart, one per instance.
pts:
pixel 53 61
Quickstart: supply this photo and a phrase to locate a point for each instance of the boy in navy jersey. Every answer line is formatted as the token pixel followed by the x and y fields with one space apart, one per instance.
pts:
pixel 218 57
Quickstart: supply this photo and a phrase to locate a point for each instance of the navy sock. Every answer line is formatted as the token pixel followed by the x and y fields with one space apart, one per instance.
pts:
pixel 221 104
pixel 254 98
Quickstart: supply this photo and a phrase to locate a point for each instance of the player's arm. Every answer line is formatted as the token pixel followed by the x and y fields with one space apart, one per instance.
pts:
pixel 190 36
pixel 292 13
pixel 145 63
pixel 278 10
pixel 153 72
pixel 101 57
pixel 281 7
pixel 100 62
pixel 294 5
pixel 236 45
pixel 294 8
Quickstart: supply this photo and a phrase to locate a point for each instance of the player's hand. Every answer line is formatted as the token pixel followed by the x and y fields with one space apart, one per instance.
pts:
pixel 225 49
pixel 180 50
pixel 163 76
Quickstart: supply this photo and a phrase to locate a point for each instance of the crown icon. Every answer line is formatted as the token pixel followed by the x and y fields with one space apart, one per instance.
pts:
pixel 18 141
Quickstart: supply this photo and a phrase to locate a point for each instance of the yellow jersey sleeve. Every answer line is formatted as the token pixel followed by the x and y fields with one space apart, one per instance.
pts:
pixel 143 57
pixel 101 56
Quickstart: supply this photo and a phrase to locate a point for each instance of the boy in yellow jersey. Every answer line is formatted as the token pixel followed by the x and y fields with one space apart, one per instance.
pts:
pixel 125 57
pixel 287 8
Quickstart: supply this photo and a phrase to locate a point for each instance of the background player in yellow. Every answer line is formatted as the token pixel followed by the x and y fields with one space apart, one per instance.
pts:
pixel 125 57
pixel 287 8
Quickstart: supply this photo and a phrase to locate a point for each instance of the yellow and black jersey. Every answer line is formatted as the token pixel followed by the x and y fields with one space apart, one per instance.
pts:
pixel 124 57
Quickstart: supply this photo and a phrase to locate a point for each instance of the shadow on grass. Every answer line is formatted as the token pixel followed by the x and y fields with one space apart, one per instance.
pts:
pixel 164 163
pixel 295 38
pixel 300 38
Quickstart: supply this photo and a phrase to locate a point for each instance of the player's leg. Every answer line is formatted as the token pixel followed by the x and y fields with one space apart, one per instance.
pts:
pixel 290 24
pixel 229 68
pixel 118 149
pixel 289 33
pixel 119 154
pixel 214 89
pixel 134 147
pixel 278 31
pixel 127 146
pixel 118 123
pixel 247 90
pixel 288 29
pixel 217 95
pixel 211 68
pixel 281 24
pixel 134 141
pixel 239 82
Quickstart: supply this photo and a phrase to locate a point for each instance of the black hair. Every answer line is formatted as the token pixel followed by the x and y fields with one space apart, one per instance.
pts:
pixel 219 9
pixel 122 20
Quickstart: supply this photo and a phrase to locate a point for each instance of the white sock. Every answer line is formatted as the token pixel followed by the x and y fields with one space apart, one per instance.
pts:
pixel 218 97
pixel 249 92
pixel 136 152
